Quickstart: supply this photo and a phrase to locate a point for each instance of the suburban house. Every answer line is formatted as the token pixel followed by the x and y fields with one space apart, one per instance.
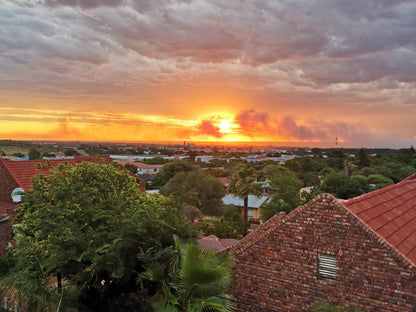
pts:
pixel 360 251
pixel 254 204
pixel 16 178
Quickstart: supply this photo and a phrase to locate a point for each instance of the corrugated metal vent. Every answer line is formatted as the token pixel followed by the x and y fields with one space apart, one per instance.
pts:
pixel 327 266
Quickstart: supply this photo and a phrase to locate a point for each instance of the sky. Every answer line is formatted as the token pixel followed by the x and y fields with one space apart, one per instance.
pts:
pixel 302 71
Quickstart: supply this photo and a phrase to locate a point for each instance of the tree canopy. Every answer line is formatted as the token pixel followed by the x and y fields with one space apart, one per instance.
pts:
pixel 196 189
pixel 243 183
pixel 286 186
pixel 170 170
pixel 92 228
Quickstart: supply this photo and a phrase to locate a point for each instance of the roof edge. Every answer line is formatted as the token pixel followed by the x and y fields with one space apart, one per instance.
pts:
pixel 278 220
pixel 394 251
pixel 411 177
pixel 11 174
pixel 270 225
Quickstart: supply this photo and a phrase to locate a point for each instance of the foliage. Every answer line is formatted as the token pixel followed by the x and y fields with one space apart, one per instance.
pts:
pixel 274 206
pixel 34 154
pixel 170 170
pixel 243 183
pixel 224 228
pixel 70 152
pixel 192 213
pixel 341 186
pixel 196 189
pixel 378 181
pixel 363 160
pixel 363 183
pixel 18 154
pixel 196 280
pixel 91 225
pixel 130 167
pixel 326 170
pixel 286 195
pixel 156 161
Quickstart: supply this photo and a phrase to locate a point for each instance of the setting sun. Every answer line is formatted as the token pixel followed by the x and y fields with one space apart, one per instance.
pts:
pixel 226 126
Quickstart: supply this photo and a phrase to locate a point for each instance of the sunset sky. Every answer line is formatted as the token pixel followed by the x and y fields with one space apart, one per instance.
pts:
pixel 300 71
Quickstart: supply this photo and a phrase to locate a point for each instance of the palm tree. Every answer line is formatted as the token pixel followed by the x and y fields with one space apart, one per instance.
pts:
pixel 197 280
pixel 243 183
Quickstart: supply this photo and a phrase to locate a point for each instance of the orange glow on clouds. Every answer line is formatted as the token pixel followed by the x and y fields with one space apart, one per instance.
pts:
pixel 246 126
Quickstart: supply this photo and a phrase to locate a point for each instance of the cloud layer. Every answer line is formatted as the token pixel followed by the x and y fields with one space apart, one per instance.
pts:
pixel 333 61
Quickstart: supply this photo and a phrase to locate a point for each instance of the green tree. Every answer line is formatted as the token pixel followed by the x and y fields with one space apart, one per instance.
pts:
pixel 132 168
pixel 341 186
pixel 170 170
pixel 91 228
pixel 155 161
pixel 34 154
pixel 196 281
pixel 286 185
pixel 378 181
pixel 363 160
pixel 71 152
pixel 18 154
pixel 196 189
pixel 243 183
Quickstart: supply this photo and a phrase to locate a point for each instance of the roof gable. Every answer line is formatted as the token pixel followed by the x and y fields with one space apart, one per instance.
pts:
pixel 280 220
pixel 391 213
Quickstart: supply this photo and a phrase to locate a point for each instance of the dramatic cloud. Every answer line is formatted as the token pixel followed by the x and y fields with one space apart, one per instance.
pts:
pixel 86 4
pixel 181 57
pixel 251 121
pixel 208 128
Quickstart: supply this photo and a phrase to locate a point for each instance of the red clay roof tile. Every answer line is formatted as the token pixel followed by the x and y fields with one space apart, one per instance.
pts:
pixel 391 212
pixel 23 171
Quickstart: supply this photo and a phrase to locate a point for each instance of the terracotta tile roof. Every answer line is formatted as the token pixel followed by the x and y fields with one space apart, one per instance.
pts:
pixel 261 157
pixel 391 213
pixel 388 214
pixel 23 171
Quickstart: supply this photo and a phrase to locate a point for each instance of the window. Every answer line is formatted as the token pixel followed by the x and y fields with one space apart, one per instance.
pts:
pixel 327 266
pixel 249 212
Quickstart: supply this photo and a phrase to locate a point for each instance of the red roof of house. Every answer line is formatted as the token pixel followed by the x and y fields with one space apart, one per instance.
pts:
pixel 391 213
pixel 23 171
pixel 224 180
pixel 261 156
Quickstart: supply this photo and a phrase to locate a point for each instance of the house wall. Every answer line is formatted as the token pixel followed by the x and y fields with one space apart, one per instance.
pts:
pixel 7 184
pixel 280 271
pixel 256 213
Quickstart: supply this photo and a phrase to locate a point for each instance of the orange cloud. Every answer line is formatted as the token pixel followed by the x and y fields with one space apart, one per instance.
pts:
pixel 208 128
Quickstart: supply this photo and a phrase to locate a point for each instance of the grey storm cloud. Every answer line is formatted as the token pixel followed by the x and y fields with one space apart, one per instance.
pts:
pixel 86 4
pixel 302 43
